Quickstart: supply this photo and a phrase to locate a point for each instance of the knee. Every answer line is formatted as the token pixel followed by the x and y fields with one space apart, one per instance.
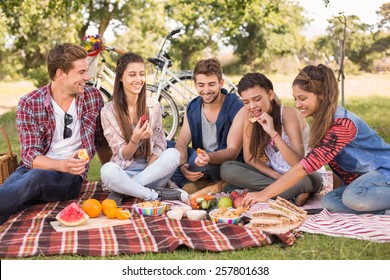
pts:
pixel 108 172
pixel 328 201
pixel 227 169
pixel 173 155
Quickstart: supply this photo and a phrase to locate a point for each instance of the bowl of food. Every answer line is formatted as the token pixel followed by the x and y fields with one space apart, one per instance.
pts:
pixel 150 208
pixel 196 214
pixel 226 215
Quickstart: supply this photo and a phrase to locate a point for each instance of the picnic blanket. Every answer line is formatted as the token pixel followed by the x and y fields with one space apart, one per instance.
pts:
pixel 29 233
pixel 365 226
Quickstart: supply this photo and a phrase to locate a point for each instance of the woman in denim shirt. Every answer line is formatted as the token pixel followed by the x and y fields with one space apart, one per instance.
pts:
pixel 358 157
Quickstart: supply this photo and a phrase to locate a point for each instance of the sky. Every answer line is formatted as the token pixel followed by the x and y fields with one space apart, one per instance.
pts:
pixel 316 10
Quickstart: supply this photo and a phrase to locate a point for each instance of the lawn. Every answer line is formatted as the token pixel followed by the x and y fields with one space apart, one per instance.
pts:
pixel 373 110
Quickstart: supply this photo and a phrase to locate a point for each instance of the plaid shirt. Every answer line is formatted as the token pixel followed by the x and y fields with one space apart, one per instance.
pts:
pixel 36 122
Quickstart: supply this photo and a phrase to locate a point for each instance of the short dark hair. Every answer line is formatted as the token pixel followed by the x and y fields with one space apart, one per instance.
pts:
pixel 210 66
pixel 62 57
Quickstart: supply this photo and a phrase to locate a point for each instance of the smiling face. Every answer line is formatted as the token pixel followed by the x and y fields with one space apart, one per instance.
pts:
pixel 76 78
pixel 306 102
pixel 257 100
pixel 208 87
pixel 133 78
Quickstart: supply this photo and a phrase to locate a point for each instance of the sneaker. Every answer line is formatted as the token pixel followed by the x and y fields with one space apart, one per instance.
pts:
pixel 117 197
pixel 168 194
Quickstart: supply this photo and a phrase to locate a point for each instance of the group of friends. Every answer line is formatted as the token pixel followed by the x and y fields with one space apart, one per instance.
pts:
pixel 227 141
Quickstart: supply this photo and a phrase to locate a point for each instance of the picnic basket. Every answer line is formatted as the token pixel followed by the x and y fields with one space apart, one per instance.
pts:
pixel 8 160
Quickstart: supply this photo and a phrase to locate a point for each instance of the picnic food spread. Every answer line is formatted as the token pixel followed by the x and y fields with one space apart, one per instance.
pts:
pixel 72 215
pixel 281 217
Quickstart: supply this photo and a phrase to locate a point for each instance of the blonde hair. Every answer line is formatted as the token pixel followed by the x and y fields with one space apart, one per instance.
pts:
pixel 321 81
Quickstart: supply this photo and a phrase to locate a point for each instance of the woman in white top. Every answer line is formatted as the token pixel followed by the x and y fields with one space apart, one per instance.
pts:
pixel 275 138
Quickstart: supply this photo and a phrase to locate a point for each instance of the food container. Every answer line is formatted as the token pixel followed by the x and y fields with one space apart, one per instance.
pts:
pixel 232 221
pixel 196 214
pixel 175 214
pixel 150 211
pixel 182 207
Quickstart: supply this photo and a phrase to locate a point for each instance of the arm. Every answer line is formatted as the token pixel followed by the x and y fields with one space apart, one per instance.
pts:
pixel 286 181
pixel 259 165
pixel 234 141
pixel 72 165
pixel 182 146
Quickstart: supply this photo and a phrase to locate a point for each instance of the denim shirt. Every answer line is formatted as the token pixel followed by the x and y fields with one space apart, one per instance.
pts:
pixel 366 152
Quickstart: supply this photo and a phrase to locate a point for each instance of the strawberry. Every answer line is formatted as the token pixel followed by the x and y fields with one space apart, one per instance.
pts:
pixel 144 118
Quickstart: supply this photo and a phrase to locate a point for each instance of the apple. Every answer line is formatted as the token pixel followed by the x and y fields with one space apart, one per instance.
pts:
pixel 234 195
pixel 144 118
pixel 238 201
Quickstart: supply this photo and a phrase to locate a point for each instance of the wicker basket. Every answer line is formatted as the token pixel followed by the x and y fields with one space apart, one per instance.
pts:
pixel 8 160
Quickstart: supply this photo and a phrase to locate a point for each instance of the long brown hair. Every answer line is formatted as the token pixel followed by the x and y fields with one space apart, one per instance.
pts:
pixel 120 102
pixel 260 138
pixel 321 81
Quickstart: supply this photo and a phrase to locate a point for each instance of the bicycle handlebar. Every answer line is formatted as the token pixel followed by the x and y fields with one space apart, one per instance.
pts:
pixel 114 49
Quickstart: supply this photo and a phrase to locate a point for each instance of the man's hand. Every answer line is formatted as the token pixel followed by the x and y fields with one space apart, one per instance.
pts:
pixel 191 176
pixel 202 158
pixel 75 165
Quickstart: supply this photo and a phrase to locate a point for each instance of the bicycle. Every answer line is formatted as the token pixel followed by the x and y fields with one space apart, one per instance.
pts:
pixel 172 89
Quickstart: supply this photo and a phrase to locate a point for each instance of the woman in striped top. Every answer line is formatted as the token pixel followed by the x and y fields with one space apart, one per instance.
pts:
pixel 358 157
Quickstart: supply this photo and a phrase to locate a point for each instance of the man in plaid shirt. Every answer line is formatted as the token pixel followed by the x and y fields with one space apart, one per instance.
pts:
pixel 54 123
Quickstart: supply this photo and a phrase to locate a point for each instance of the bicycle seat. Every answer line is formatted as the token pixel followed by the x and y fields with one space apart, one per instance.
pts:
pixel 158 62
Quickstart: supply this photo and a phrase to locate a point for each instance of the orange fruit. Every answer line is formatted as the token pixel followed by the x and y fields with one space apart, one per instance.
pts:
pixel 122 214
pixel 110 213
pixel 92 207
pixel 198 151
pixel 83 154
pixel 108 204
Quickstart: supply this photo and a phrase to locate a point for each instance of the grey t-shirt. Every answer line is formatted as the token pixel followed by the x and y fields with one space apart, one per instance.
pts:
pixel 209 134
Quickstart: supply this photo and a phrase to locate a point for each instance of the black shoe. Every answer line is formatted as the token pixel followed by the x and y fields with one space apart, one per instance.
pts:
pixel 169 194
pixel 117 197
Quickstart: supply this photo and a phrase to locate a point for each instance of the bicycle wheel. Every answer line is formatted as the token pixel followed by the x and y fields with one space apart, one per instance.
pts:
pixel 170 114
pixel 186 87
pixel 103 91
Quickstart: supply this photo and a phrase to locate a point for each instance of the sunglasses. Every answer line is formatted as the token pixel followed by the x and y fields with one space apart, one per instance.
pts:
pixel 67 131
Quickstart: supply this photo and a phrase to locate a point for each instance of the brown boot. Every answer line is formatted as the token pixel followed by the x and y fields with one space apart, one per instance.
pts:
pixel 192 187
pixel 215 187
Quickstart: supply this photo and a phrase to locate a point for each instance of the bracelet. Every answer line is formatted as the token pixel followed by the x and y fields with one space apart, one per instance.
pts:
pixel 272 139
pixel 131 140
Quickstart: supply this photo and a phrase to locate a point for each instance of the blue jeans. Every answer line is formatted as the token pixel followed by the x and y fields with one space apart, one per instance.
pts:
pixel 367 194
pixel 25 187
pixel 211 171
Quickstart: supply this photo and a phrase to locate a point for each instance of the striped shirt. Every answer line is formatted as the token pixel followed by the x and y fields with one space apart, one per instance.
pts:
pixel 36 122
pixel 342 131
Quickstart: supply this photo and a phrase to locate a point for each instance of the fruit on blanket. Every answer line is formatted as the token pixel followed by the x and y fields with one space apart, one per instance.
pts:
pixel 225 201
pixel 122 214
pixel 108 204
pixel 238 201
pixel 83 154
pixel 92 207
pixel 72 215
pixel 111 213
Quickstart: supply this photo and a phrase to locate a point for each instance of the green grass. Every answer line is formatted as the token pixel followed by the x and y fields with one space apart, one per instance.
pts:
pixel 373 110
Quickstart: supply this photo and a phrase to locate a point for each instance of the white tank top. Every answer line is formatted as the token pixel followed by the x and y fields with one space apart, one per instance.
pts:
pixel 276 160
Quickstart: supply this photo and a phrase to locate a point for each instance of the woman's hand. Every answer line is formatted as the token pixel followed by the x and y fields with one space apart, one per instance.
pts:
pixel 253 197
pixel 267 122
pixel 141 132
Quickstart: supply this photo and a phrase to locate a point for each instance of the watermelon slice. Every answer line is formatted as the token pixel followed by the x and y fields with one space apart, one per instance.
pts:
pixel 72 215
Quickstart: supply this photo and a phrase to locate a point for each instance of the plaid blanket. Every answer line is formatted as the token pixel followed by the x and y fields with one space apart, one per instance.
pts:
pixel 366 226
pixel 29 233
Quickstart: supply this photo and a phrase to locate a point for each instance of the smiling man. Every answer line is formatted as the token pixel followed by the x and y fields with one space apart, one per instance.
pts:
pixel 54 123
pixel 213 123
